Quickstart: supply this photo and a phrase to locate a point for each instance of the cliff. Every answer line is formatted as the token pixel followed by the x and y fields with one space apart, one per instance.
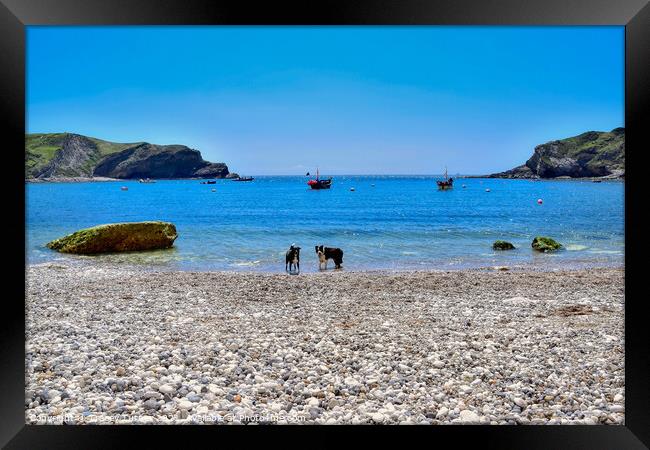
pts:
pixel 590 154
pixel 60 155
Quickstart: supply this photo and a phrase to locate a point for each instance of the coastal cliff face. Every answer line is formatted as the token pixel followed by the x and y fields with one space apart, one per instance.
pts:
pixel 71 155
pixel 76 156
pixel 590 154
pixel 65 154
pixel 159 161
pixel 213 170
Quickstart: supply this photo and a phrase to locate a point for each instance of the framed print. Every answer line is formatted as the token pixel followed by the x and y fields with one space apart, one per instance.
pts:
pixel 357 213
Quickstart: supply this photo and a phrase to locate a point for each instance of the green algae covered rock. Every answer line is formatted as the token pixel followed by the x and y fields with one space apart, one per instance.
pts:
pixel 545 244
pixel 502 245
pixel 117 237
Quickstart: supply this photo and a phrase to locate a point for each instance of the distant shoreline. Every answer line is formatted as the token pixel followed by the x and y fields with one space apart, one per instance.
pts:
pixel 485 177
pixel 536 178
pixel 102 179
pixel 70 180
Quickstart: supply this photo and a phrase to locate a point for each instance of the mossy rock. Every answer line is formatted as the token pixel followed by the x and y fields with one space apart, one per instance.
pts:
pixel 117 237
pixel 502 245
pixel 545 244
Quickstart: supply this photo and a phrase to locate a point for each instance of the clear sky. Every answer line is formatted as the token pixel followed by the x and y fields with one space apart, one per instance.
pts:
pixel 350 100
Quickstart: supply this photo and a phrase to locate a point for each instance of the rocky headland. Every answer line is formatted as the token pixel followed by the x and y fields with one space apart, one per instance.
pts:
pixel 594 154
pixel 70 157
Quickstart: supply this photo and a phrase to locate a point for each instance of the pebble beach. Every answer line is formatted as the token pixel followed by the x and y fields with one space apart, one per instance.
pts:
pixel 117 345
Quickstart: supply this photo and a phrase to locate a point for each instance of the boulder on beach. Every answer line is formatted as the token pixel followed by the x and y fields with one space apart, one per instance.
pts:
pixel 545 244
pixel 502 245
pixel 117 237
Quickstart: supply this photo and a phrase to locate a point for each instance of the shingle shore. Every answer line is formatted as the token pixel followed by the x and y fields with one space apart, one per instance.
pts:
pixel 109 344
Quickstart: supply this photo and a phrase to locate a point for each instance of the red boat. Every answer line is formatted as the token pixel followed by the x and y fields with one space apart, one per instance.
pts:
pixel 447 183
pixel 320 184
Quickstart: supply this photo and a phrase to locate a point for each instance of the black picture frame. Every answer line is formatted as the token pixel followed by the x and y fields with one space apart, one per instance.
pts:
pixel 15 15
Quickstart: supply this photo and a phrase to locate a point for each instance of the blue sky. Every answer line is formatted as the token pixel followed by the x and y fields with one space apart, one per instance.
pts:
pixel 351 100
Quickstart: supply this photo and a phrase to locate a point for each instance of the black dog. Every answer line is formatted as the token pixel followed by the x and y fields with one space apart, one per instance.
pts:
pixel 325 253
pixel 292 258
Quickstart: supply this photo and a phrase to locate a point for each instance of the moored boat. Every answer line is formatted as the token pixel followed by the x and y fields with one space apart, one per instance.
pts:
pixel 447 183
pixel 243 179
pixel 320 184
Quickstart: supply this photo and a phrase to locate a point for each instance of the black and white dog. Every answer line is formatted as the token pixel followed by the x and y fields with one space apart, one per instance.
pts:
pixel 292 258
pixel 325 253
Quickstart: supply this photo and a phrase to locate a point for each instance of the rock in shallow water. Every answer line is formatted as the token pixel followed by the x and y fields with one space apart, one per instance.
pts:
pixel 545 244
pixel 117 237
pixel 502 245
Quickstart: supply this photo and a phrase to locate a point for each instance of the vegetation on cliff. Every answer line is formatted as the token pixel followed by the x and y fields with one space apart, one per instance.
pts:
pixel 58 155
pixel 590 154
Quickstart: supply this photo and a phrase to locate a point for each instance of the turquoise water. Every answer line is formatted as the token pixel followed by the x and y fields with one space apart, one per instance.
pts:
pixel 388 222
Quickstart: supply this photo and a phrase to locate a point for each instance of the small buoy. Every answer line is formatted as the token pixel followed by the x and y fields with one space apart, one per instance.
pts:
pixel 487 190
pixel 539 201
pixel 124 188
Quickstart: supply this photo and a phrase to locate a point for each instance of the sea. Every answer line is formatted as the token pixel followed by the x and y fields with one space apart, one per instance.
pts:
pixel 391 223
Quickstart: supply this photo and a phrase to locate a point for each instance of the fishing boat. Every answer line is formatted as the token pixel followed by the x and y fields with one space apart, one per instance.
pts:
pixel 243 179
pixel 447 183
pixel 320 184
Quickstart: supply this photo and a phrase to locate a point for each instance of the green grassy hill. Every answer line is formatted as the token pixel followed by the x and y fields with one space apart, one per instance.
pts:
pixel 51 156
pixel 41 148
pixel 597 147
pixel 590 154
